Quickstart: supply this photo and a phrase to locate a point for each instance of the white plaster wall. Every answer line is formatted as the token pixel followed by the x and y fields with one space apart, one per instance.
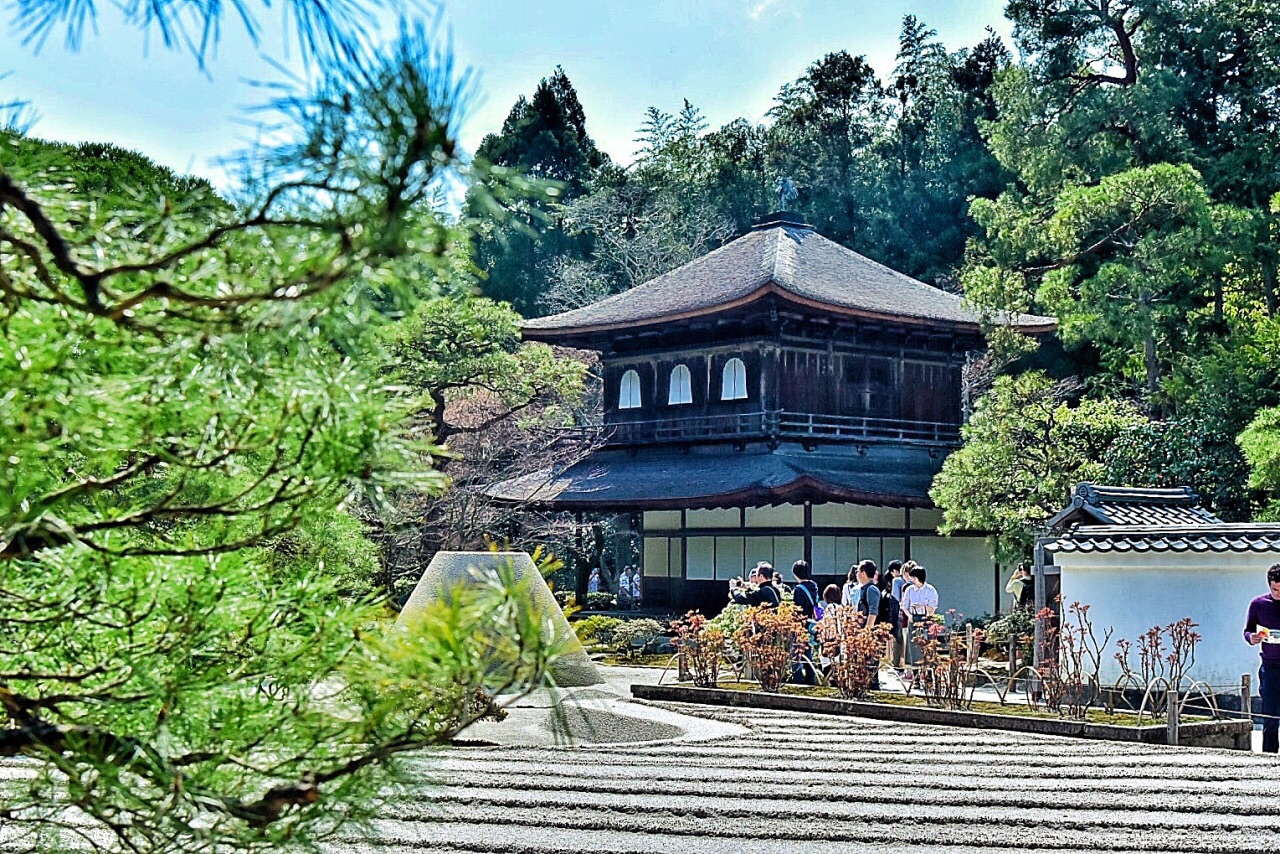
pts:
pixel 1131 593
pixel 962 569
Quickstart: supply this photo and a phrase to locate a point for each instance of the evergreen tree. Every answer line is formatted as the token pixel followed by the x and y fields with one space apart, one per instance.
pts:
pixel 193 398
pixel 1139 138
pixel 824 126
pixel 518 244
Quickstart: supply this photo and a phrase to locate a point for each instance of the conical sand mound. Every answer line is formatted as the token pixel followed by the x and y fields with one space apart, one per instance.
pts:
pixel 450 570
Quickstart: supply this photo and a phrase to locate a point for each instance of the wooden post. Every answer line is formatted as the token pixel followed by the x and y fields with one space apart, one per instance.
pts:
pixel 1173 708
pixel 969 652
pixel 1041 589
pixel 1246 696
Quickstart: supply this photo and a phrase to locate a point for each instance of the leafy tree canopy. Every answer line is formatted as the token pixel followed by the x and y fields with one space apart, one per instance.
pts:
pixel 1118 129
pixel 453 348
pixel 519 240
pixel 1025 447
pixel 546 136
pixel 192 399
pixel 1261 444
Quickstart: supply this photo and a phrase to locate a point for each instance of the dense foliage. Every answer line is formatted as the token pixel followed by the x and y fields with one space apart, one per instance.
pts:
pixel 1141 136
pixel 1025 447
pixel 193 398
pixel 883 166
pixel 500 408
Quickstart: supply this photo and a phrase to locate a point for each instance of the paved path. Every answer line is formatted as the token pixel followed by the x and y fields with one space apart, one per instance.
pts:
pixel 805 783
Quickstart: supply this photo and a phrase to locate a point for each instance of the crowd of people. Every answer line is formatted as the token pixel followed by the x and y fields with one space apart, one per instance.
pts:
pixel 899 597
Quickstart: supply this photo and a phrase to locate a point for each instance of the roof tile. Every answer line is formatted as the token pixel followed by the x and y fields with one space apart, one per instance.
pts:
pixel 1218 538
pixel 790 259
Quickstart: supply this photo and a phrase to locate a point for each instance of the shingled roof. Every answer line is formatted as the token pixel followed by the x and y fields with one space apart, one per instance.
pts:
pixel 657 478
pixel 1217 538
pixel 1122 505
pixel 782 257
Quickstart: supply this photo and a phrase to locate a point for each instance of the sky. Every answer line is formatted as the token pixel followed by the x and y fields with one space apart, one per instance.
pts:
pixel 728 57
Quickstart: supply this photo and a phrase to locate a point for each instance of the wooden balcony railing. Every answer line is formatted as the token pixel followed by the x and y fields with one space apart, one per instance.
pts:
pixel 779 424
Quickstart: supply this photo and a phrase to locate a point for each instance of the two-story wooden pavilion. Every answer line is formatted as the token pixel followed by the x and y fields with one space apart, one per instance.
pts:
pixel 780 397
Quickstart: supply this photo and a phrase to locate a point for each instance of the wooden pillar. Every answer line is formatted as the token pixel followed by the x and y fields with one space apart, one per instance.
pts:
pixel 808 533
pixel 998 588
pixel 906 534
pixel 1041 583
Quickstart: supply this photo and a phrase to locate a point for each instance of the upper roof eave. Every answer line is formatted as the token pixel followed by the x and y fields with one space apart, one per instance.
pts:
pixel 548 334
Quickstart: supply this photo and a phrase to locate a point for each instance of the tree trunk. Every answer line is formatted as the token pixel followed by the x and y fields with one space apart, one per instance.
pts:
pixel 1269 285
pixel 1153 370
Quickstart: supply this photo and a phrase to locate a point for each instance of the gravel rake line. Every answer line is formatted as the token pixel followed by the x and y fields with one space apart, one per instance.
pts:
pixel 893 779
pixel 798 723
pixel 1070 750
pixel 923 752
pixel 1045 746
pixel 1088 795
pixel 605 842
pixel 1049 744
pixel 749 828
pixel 979 766
pixel 1062 815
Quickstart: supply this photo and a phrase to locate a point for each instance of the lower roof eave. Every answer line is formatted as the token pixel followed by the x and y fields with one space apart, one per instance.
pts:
pixel 799 492
pixel 710 477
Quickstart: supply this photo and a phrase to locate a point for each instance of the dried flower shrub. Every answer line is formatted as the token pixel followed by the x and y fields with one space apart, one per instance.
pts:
pixel 946 671
pixel 701 646
pixel 1070 659
pixel 854 650
pixel 769 638
pixel 1166 655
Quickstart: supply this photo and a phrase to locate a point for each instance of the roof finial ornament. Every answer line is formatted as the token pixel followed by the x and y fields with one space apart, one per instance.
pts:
pixel 786 192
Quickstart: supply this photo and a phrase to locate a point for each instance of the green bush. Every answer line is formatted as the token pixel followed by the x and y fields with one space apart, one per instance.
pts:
pixel 599 601
pixel 597 629
pixel 1015 624
pixel 979 622
pixel 631 631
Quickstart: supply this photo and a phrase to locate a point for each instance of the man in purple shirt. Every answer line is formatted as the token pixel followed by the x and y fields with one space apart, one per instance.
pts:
pixel 1262 628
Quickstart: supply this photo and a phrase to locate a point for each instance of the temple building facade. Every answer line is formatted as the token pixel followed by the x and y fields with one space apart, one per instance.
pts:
pixel 781 397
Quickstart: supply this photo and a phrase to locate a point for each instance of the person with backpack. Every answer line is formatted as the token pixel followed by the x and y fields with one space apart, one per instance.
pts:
pixel 894 571
pixel 805 598
pixel 868 601
pixel 869 606
pixel 849 593
pixel 891 615
pixel 805 595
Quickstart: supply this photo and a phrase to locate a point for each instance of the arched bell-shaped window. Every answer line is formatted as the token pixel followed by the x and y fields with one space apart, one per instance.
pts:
pixel 629 391
pixel 733 385
pixel 681 390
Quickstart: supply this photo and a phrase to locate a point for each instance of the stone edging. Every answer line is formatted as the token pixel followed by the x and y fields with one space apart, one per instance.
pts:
pixel 1232 734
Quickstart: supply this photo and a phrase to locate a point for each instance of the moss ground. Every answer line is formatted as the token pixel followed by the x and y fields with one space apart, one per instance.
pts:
pixel 1093 716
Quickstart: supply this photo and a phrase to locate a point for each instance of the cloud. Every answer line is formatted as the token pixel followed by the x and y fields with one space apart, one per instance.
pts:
pixel 757 9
